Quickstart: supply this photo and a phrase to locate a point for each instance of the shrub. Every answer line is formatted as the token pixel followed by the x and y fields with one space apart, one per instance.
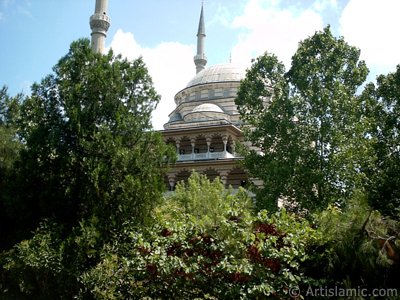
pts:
pixel 205 244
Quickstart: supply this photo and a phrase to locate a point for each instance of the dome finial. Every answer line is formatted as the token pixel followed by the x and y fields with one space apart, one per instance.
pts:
pixel 200 60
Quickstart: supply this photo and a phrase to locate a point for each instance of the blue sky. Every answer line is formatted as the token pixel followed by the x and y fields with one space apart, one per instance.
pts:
pixel 35 34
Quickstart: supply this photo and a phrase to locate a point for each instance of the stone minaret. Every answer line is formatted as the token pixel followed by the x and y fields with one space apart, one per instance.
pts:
pixel 99 23
pixel 200 60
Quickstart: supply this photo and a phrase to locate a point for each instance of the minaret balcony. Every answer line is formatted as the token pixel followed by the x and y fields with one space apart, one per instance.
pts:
pixel 99 23
pixel 200 56
pixel 102 17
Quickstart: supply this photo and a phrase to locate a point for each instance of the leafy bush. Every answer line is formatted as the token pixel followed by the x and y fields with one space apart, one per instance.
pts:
pixel 362 247
pixel 205 244
pixel 35 265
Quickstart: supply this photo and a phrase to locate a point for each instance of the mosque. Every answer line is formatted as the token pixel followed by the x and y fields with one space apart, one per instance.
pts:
pixel 205 124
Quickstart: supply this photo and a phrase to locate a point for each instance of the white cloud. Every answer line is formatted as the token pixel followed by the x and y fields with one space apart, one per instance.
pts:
pixel 321 5
pixel 373 27
pixel 222 17
pixel 169 63
pixel 267 27
pixel 124 43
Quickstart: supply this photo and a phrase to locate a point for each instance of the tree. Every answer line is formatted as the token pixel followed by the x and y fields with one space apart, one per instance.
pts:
pixel 362 247
pixel 9 144
pixel 89 147
pixel 90 165
pixel 305 122
pixel 269 124
pixel 382 112
pixel 9 152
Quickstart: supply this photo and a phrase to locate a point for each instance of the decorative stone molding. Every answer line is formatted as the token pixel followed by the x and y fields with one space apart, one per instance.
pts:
pixel 100 23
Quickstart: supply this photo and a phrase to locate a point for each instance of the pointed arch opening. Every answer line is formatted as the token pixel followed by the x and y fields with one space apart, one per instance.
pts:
pixel 182 176
pixel 211 174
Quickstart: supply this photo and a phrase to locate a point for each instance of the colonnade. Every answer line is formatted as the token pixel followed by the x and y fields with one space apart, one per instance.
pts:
pixel 204 147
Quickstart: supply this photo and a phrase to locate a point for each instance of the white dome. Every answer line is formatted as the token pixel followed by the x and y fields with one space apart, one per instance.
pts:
pixel 207 107
pixel 218 73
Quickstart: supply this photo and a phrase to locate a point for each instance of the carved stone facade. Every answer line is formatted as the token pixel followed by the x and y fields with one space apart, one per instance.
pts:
pixel 99 23
pixel 205 125
pixel 205 128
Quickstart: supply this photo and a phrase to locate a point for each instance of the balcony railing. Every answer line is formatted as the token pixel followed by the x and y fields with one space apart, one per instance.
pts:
pixel 205 156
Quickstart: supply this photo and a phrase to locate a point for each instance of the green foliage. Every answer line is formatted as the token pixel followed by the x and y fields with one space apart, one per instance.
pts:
pixel 203 200
pixel 362 246
pixel 89 148
pixel 86 158
pixel 219 252
pixel 305 123
pixel 35 265
pixel 90 162
pixel 9 147
pixel 48 265
pixel 382 114
pixel 270 128
pixel 9 144
pixel 9 152
pixel 321 145
pixel 9 107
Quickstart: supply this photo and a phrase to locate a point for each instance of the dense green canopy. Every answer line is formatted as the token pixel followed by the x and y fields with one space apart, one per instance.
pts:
pixel 305 122
pixel 88 144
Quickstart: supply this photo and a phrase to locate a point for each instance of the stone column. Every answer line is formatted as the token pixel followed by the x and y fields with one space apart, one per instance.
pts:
pixel 208 140
pixel 225 141
pixel 193 142
pixel 178 145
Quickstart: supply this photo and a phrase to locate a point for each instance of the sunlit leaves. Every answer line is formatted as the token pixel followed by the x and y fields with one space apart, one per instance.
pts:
pixel 310 131
pixel 198 249
pixel 382 118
